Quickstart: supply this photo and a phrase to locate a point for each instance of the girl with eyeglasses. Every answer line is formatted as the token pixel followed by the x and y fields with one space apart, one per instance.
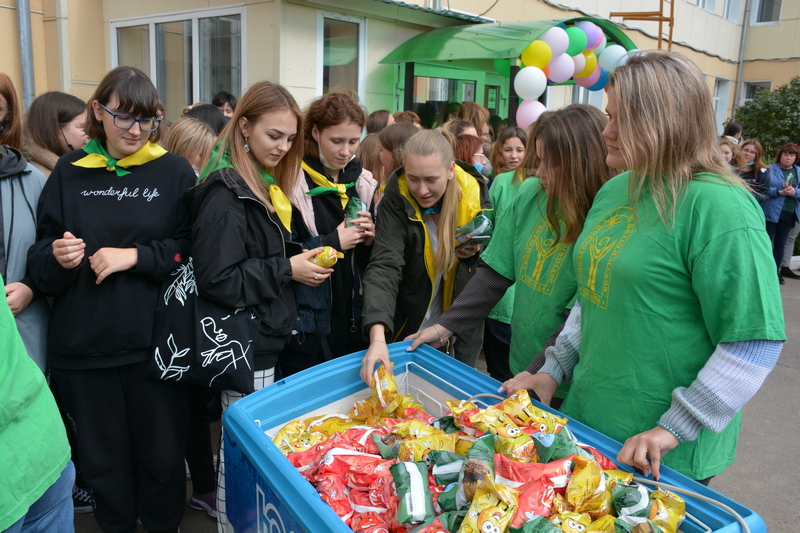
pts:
pixel 753 170
pixel 113 221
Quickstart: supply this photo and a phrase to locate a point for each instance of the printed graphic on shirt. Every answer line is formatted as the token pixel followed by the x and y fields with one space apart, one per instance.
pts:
pixel 598 252
pixel 542 261
pixel 120 194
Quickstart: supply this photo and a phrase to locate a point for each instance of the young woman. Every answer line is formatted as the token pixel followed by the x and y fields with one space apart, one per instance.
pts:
pixel 665 339
pixel 329 316
pixel 53 126
pixel 10 123
pixel 469 149
pixel 753 170
pixel 369 153
pixel 416 270
pixel 378 120
pixel 781 207
pixel 537 226
pixel 241 218
pixel 113 221
pixel 478 116
pixel 730 154
pixel 393 138
pixel 193 139
pixel 509 150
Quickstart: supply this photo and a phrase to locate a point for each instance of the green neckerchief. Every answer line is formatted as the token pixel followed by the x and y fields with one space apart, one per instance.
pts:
pixel 97 157
pixel 276 195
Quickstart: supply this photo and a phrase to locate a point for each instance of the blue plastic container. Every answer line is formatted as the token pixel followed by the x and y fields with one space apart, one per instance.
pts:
pixel 265 493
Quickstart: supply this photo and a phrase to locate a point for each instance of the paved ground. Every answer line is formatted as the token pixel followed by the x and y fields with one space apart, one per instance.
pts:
pixel 766 475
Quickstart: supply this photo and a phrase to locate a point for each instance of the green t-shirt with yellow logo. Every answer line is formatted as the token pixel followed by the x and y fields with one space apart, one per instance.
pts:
pixel 655 302
pixel 522 249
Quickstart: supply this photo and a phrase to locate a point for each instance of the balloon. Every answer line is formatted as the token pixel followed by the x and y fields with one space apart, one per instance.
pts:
pixel 528 112
pixel 557 39
pixel 577 41
pixel 561 68
pixel 591 64
pixel 537 54
pixel 601 44
pixel 589 80
pixel 580 63
pixel 601 82
pixel 591 30
pixel 610 57
pixel 546 71
pixel 530 83
pixel 503 67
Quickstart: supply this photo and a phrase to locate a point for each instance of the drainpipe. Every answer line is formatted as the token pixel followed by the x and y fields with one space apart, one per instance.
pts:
pixel 26 52
pixel 739 83
pixel 62 26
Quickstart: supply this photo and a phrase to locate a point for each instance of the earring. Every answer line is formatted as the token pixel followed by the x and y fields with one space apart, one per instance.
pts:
pixel 246 146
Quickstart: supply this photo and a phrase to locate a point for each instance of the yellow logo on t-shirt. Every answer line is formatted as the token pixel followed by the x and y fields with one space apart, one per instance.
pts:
pixel 598 252
pixel 539 252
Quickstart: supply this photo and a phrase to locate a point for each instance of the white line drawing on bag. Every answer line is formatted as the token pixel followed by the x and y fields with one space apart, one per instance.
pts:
pixel 184 284
pixel 171 371
pixel 232 350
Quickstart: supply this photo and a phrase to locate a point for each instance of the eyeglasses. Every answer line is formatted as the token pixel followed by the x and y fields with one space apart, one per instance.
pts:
pixel 749 151
pixel 126 122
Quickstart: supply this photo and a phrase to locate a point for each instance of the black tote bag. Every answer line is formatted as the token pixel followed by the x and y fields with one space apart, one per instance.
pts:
pixel 200 342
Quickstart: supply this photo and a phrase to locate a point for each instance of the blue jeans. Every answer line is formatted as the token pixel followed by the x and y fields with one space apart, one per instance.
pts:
pixel 53 512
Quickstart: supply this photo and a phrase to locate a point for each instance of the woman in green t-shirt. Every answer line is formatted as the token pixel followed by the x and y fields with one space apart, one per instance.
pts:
pixel 673 333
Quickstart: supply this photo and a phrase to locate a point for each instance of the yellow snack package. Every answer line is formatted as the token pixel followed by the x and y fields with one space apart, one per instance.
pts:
pixel 519 407
pixel 415 450
pixel 560 505
pixel 384 387
pixel 614 477
pixel 415 429
pixel 464 443
pixel 327 257
pixel 405 401
pixel 571 522
pixel 604 524
pixel 492 508
pixel 330 424
pixel 509 439
pixel 287 434
pixel 670 510
pixel 586 491
pixel 364 409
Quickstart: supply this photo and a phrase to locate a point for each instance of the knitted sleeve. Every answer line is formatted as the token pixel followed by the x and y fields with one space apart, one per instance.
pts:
pixel 561 358
pixel 732 375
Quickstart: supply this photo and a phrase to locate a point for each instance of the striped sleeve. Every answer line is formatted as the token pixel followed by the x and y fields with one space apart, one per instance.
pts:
pixel 561 358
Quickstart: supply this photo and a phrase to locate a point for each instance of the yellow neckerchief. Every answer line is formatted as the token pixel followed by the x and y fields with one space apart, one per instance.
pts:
pixel 324 182
pixel 283 208
pixel 98 157
pixel 468 208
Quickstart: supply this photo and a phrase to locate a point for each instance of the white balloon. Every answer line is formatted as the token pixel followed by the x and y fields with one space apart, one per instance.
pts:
pixel 530 83
pixel 561 68
pixel 611 57
pixel 580 63
pixel 600 47
pixel 557 38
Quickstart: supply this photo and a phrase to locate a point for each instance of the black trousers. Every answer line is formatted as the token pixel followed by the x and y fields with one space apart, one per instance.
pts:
pixel 131 436
pixel 778 232
pixel 496 350
pixel 199 453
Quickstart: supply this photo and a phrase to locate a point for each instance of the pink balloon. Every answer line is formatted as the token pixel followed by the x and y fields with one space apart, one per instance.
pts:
pixel 557 38
pixel 562 68
pixel 589 80
pixel 592 32
pixel 528 112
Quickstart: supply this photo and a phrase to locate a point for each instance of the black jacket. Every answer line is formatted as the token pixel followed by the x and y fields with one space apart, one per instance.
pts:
pixel 240 258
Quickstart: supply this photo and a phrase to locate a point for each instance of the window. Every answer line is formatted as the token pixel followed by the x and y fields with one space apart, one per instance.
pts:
pixel 190 56
pixel 768 11
pixel 581 95
pixel 730 10
pixel 341 61
pixel 722 89
pixel 754 88
pixel 707 5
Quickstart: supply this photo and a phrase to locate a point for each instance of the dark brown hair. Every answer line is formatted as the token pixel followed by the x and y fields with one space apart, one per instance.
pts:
pixel 136 96
pixel 377 121
pixel 475 113
pixel 10 127
pixel 407 116
pixel 456 127
pixel 49 113
pixel 789 148
pixel 496 159
pixel 330 110
pixel 393 137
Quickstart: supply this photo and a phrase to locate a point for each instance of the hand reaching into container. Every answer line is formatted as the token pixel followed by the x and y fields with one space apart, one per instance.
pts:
pixel 435 336
pixel 377 352
pixel 542 384
pixel 645 450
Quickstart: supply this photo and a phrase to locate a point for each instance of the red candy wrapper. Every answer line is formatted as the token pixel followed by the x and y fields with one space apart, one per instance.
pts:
pixel 332 489
pixel 513 474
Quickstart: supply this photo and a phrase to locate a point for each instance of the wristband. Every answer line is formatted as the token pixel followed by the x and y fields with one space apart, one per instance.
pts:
pixel 441 341
pixel 672 431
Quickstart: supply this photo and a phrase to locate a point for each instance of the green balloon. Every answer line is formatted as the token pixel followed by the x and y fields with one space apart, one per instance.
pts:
pixel 503 67
pixel 577 41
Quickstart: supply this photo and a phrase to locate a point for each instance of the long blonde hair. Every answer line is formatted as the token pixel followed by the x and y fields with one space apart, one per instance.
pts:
pixel 431 142
pixel 262 98
pixel 666 127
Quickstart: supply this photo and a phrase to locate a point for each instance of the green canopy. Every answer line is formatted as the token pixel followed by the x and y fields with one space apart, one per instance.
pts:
pixel 487 41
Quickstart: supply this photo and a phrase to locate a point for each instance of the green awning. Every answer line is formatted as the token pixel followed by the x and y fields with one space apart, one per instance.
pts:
pixel 487 41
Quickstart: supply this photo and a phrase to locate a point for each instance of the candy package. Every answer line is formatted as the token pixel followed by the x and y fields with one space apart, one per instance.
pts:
pixel 332 489
pixel 586 492
pixel 388 444
pixel 479 463
pixel 604 524
pixel 537 524
pixel 480 225
pixel 551 447
pixel 515 474
pixel 354 205
pixel 414 498
pixel 635 524
pixel 535 499
pixel 631 500
pixel 519 407
pixel 445 466
pixel 417 449
pixel 571 522
pixel 327 257
pixel 491 509
pixel 670 510
pixel 509 439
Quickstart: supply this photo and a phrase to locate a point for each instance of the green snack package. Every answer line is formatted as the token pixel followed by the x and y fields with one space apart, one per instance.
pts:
pixel 415 503
pixel 354 205
pixel 631 500
pixel 446 466
pixel 447 499
pixel 479 463
pixel 538 524
pixel 446 424
pixel 478 226
pixel 554 446
pixel 388 444
pixel 635 524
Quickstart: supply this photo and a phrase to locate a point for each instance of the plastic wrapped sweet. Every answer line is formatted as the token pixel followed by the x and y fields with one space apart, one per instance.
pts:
pixel 535 499
pixel 327 257
pixel 670 510
pixel 586 491
pixel 519 407
pixel 333 490
pixel 635 524
pixel 354 205
pixel 631 500
pixel 604 524
pixel 417 449
pixel 551 447
pixel 571 522
pixel 538 524
pixel 515 474
pixel 509 439
pixel 445 466
pixel 480 225
pixel 414 498
pixel 479 463
pixel 492 508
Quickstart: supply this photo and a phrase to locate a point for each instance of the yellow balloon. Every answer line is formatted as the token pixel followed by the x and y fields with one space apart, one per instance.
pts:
pixel 591 64
pixel 537 54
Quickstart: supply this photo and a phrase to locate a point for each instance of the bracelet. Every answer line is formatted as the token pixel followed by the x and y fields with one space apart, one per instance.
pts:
pixel 377 340
pixel 672 431
pixel 444 344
